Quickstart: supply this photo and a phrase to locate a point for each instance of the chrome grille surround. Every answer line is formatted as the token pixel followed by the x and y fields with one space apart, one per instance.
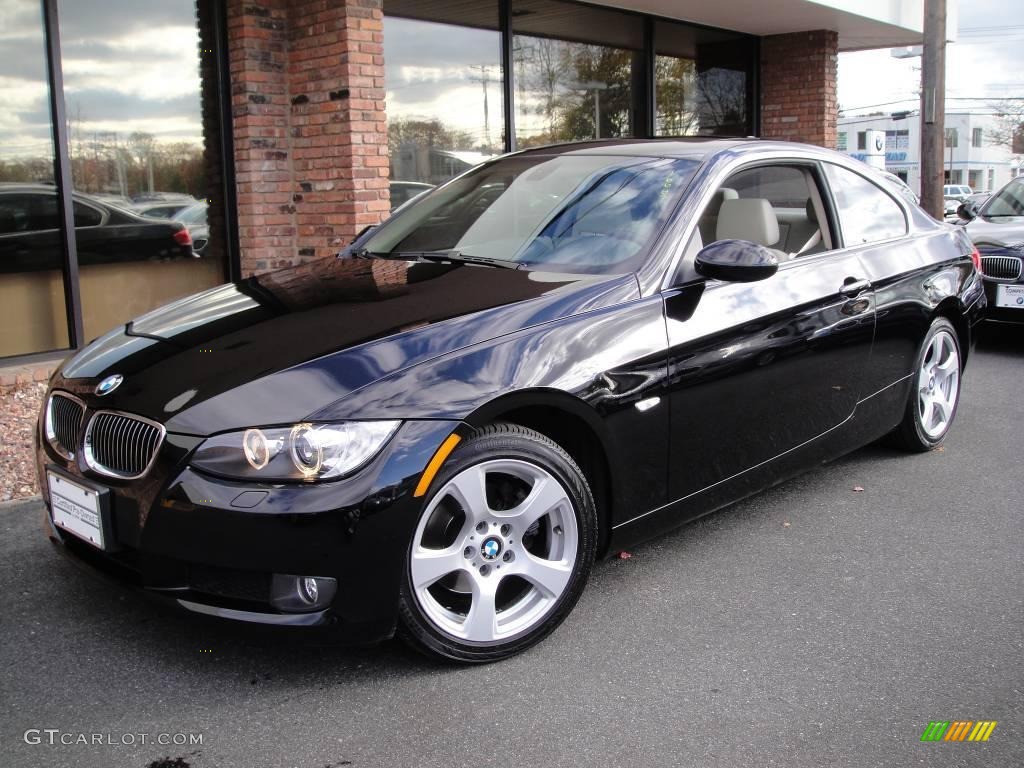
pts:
pixel 121 445
pixel 63 423
pixel 1001 267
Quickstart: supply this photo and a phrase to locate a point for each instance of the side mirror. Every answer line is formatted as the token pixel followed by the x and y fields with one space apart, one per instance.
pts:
pixel 736 261
pixel 967 211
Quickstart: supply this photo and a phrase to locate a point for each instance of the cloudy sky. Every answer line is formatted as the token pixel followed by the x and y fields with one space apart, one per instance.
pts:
pixel 129 65
pixel 985 63
pixel 437 70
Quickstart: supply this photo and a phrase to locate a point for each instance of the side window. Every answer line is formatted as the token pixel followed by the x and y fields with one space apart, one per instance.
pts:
pixel 866 213
pixel 42 212
pixel 13 214
pixel 86 216
pixel 774 205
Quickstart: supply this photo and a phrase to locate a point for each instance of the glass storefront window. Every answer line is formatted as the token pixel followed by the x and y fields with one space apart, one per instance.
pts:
pixel 444 92
pixel 575 72
pixel 31 248
pixel 702 81
pixel 135 135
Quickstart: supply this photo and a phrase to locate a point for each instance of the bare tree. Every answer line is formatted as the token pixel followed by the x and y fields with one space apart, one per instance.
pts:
pixel 1008 130
pixel 676 79
pixel 543 69
pixel 722 96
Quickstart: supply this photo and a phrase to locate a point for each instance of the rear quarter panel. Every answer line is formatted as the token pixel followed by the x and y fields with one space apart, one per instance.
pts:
pixel 914 280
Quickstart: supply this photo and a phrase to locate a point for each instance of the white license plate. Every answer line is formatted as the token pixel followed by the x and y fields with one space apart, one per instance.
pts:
pixel 1011 296
pixel 76 509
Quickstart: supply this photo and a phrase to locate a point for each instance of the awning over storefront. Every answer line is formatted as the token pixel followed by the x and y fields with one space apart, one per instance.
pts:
pixel 861 24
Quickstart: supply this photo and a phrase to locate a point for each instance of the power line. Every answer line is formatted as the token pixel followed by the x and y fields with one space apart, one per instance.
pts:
pixel 915 99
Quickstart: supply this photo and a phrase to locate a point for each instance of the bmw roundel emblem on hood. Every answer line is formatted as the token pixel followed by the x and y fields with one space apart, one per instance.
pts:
pixel 109 384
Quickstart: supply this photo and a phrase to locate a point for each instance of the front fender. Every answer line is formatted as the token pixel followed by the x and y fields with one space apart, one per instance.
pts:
pixel 597 365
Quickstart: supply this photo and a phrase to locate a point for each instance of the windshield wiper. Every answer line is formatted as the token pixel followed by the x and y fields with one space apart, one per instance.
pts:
pixel 453 256
pixel 465 258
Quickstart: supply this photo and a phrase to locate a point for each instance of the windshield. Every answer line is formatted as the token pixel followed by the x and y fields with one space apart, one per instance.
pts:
pixel 565 213
pixel 195 214
pixel 1008 201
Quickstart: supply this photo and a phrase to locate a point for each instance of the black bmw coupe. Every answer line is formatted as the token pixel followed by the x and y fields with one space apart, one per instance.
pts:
pixel 557 354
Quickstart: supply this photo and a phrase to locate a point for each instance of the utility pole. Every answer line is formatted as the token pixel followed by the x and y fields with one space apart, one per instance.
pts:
pixel 484 79
pixel 933 106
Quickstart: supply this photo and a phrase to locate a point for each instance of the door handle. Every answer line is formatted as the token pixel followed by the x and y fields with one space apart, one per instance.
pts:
pixel 852 286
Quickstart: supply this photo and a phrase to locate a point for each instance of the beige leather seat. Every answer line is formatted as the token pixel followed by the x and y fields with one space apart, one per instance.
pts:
pixel 750 219
pixel 709 220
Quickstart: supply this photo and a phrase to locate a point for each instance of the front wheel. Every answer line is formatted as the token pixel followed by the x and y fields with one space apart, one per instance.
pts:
pixel 502 550
pixel 936 390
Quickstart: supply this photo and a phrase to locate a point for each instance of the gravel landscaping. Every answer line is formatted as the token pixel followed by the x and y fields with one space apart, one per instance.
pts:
pixel 19 407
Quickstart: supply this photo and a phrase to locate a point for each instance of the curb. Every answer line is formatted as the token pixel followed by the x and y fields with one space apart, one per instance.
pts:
pixel 17 502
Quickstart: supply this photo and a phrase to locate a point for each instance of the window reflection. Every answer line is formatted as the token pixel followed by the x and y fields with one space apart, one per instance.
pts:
pixel 135 135
pixel 701 81
pixel 444 95
pixel 31 283
pixel 575 68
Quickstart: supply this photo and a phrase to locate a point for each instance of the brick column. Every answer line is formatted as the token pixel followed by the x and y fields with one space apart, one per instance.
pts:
pixel 798 87
pixel 307 81
pixel 213 162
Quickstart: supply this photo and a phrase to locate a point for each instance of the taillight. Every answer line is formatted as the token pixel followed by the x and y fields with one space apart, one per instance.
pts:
pixel 182 237
pixel 976 258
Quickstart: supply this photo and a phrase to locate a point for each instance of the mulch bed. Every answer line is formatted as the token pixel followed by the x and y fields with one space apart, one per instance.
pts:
pixel 19 408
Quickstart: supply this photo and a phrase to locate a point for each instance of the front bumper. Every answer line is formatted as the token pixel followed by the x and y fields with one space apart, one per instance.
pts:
pixel 213 546
pixel 1001 314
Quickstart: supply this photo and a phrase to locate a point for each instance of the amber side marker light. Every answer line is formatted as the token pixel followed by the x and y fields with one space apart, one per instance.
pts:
pixel 435 464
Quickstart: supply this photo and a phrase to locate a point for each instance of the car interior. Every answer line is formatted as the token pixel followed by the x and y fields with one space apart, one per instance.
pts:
pixel 778 207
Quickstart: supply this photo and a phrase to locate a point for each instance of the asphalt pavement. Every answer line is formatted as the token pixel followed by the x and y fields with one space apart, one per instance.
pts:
pixel 812 625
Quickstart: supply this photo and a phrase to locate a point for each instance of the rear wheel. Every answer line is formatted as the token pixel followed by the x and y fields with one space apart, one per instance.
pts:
pixel 502 550
pixel 936 391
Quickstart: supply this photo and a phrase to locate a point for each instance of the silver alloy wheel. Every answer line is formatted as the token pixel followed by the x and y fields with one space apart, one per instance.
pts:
pixel 938 384
pixel 489 549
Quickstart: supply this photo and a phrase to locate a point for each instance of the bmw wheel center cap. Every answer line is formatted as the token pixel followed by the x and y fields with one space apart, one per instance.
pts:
pixel 109 384
pixel 491 548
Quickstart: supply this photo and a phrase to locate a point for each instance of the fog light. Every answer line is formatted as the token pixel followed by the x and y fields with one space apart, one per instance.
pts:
pixel 309 590
pixel 299 594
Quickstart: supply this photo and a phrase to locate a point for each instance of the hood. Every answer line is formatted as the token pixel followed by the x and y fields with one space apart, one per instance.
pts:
pixel 997 231
pixel 275 348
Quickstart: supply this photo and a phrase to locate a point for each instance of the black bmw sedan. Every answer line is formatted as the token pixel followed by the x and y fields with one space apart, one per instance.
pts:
pixel 557 354
pixel 997 229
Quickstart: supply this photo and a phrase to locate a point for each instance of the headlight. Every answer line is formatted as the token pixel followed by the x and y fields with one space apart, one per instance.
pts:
pixel 301 452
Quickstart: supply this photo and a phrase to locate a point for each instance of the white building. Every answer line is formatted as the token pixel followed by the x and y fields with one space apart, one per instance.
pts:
pixel 971 157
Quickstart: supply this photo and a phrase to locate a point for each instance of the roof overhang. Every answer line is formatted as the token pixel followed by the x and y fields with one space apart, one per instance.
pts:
pixel 861 24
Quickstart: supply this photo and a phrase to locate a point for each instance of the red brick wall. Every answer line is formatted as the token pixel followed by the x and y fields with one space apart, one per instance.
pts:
pixel 307 92
pixel 798 87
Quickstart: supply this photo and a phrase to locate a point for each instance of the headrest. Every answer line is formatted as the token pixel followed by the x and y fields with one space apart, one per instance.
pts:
pixel 750 219
pixel 721 195
pixel 812 214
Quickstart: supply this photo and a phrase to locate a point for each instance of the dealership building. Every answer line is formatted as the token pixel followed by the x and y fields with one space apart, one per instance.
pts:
pixel 300 122
pixel 972 156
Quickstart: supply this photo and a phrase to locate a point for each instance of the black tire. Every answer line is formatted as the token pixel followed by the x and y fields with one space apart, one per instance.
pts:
pixel 911 435
pixel 495 442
